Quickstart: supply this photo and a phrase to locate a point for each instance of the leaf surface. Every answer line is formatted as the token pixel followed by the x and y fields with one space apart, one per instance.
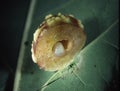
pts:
pixel 94 64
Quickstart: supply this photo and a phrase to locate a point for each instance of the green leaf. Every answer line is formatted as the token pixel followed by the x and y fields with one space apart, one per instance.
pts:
pixel 93 67
pixel 95 64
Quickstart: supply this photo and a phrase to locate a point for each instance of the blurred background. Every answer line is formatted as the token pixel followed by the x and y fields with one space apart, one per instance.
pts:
pixel 13 15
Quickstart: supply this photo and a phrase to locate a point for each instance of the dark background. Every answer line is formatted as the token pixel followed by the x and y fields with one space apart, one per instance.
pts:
pixel 13 15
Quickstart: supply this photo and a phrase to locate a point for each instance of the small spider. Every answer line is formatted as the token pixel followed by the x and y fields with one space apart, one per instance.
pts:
pixel 57 40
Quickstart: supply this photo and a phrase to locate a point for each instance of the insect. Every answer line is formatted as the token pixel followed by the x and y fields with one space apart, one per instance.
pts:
pixel 56 42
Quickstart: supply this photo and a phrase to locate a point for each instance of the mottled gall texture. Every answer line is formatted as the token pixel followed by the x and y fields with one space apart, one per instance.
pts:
pixel 58 28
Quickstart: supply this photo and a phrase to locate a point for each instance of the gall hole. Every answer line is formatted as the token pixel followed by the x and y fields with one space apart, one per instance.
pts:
pixel 64 43
pixel 60 47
